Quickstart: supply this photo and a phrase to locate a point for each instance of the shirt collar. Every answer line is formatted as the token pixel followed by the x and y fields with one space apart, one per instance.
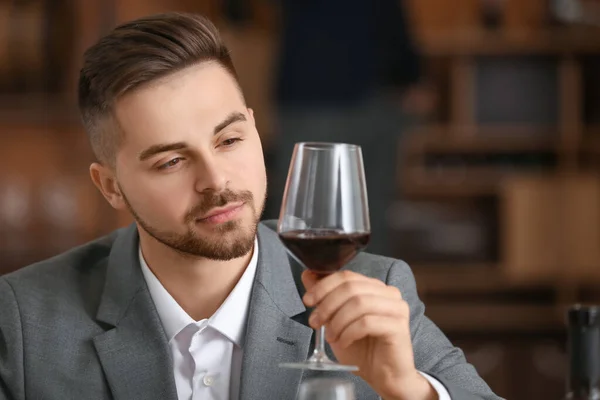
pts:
pixel 229 319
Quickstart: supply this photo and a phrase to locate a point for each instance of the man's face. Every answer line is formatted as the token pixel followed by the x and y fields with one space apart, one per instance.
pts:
pixel 191 167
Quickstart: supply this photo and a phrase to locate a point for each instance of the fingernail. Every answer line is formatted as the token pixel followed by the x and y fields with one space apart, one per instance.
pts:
pixel 309 298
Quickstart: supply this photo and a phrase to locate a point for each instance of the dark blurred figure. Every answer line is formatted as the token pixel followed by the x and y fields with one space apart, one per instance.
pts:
pixel 344 68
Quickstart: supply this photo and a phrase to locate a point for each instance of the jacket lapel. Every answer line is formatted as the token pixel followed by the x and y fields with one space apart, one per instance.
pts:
pixel 273 333
pixel 134 352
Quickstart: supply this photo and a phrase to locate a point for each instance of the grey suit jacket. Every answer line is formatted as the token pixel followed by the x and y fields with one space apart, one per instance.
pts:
pixel 82 325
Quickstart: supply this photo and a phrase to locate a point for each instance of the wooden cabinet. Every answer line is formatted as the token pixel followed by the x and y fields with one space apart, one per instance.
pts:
pixel 517 123
pixel 516 139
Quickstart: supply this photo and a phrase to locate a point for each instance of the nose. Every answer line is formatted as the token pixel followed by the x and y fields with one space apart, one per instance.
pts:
pixel 211 175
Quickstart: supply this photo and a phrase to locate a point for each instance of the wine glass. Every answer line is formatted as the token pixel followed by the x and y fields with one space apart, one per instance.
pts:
pixel 324 219
pixel 326 389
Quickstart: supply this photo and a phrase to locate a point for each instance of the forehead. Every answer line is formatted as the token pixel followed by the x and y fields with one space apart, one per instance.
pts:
pixel 190 101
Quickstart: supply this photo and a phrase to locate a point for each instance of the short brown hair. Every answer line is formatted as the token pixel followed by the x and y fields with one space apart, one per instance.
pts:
pixel 137 53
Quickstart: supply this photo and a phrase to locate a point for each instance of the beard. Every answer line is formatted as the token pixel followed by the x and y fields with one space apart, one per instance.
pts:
pixel 227 241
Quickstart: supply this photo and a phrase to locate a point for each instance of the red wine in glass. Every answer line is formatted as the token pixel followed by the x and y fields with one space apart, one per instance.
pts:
pixel 324 251
pixel 324 219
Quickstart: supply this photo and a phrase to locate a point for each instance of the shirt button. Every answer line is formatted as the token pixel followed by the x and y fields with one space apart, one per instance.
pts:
pixel 208 380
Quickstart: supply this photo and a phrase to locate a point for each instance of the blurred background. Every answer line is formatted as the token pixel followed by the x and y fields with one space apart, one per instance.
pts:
pixel 480 127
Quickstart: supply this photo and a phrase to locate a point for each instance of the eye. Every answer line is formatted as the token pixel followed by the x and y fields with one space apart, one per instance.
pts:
pixel 170 164
pixel 230 142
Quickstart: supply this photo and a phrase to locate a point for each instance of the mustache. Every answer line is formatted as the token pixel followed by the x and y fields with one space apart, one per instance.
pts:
pixel 220 199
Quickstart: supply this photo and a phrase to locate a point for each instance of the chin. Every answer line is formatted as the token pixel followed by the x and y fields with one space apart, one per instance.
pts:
pixel 229 245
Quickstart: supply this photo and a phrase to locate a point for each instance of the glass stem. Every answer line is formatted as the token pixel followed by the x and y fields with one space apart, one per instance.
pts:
pixel 319 355
pixel 320 340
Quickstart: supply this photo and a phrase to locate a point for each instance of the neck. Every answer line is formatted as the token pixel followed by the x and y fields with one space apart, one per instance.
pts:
pixel 199 285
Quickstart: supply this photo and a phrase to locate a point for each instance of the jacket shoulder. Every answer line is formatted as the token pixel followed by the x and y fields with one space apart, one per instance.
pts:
pixel 379 267
pixel 61 269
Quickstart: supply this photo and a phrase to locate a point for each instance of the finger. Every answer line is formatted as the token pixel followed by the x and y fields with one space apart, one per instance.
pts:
pixel 344 293
pixel 359 307
pixel 371 326
pixel 393 292
pixel 309 279
pixel 324 286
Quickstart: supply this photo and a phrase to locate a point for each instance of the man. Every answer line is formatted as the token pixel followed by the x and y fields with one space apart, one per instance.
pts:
pixel 197 299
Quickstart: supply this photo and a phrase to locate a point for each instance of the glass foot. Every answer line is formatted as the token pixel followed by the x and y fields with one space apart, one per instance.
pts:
pixel 319 362
pixel 319 366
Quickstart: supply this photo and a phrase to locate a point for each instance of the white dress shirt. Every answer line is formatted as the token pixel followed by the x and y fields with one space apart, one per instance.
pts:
pixel 440 389
pixel 207 354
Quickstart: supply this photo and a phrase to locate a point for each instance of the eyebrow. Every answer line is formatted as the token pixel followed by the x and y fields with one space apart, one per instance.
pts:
pixel 232 118
pixel 161 148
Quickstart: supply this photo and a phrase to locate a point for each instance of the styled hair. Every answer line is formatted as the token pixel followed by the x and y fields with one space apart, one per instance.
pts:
pixel 137 53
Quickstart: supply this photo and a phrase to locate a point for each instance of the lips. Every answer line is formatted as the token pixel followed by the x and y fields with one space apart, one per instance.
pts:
pixel 222 214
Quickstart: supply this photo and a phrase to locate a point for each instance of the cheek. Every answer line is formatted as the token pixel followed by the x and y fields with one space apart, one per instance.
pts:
pixel 153 200
pixel 253 173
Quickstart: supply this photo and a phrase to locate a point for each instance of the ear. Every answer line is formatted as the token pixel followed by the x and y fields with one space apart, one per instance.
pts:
pixel 105 180
pixel 251 114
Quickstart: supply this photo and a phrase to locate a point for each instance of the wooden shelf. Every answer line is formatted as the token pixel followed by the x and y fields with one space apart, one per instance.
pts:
pixel 459 278
pixel 475 278
pixel 484 316
pixel 414 189
pixel 417 181
pixel 441 139
pixel 462 181
pixel 487 318
pixel 479 42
